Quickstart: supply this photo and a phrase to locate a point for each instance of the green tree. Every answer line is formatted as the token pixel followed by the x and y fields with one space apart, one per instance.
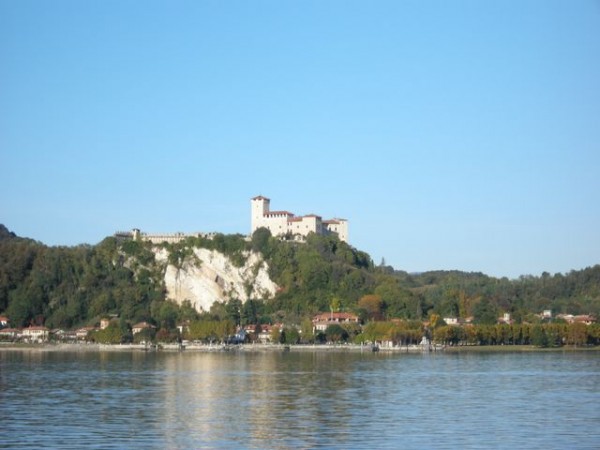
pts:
pixel 335 333
pixel 233 308
pixel 112 334
pixel 371 305
pixel 307 331
pixel 260 240
pixel 291 336
pixel 275 335
pixel 485 312
pixel 538 336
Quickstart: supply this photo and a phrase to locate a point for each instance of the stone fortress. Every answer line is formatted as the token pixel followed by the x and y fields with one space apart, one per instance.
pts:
pixel 284 223
pixel 279 223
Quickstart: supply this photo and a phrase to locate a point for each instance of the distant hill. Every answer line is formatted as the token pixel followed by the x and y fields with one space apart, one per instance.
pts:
pixel 6 234
pixel 262 279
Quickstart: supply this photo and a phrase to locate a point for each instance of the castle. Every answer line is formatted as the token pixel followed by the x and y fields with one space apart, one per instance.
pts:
pixel 279 223
pixel 282 223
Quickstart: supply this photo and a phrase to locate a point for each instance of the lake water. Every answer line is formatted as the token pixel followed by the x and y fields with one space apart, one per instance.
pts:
pixel 299 400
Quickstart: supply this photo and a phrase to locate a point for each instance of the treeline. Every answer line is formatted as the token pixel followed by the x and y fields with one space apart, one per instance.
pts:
pixel 462 295
pixel 73 286
pixel 540 335
pixel 68 287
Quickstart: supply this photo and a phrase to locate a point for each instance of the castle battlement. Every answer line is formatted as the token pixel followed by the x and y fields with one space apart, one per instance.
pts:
pixel 158 238
pixel 282 223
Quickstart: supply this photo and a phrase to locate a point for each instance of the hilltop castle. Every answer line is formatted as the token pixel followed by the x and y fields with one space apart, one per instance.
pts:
pixel 281 223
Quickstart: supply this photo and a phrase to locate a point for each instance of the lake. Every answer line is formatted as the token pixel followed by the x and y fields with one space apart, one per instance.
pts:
pixel 299 399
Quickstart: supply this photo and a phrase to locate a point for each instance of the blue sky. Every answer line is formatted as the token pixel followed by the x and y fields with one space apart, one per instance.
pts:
pixel 452 135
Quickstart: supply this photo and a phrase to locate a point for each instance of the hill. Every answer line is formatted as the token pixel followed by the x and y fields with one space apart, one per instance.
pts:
pixel 258 280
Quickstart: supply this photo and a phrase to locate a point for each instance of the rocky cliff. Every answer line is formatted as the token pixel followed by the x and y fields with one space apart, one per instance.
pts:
pixel 209 276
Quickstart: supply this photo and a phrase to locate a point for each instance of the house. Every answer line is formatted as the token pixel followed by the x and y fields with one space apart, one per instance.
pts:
pixel 139 327
pixel 239 337
pixel 183 327
pixel 36 334
pixel 264 331
pixel 587 319
pixel 323 320
pixel 4 322
pixel 10 333
pixel 83 332
pixel 107 320
pixel 505 319
pixel 454 321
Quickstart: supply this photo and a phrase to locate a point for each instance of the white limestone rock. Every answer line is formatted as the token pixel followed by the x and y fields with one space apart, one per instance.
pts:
pixel 210 276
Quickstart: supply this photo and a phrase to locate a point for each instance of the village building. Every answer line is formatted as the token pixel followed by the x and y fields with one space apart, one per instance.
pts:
pixel 139 327
pixel 284 223
pixel 36 334
pixel 183 327
pixel 107 320
pixel 453 321
pixel 4 322
pixel 505 319
pixel 324 320
pixel 10 334
pixel 83 332
pixel 587 319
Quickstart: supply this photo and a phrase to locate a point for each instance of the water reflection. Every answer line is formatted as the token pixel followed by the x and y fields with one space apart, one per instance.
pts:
pixel 298 400
pixel 286 400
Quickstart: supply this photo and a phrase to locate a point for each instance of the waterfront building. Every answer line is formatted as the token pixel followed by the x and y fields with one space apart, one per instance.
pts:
pixel 139 327
pixel 323 320
pixel 36 334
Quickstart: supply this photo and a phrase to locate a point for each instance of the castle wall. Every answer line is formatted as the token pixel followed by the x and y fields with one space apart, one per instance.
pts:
pixel 159 238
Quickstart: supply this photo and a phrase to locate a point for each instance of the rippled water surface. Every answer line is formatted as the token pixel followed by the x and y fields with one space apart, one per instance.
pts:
pixel 299 400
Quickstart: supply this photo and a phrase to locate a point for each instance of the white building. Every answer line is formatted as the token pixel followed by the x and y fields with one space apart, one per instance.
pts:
pixel 281 223
pixel 36 334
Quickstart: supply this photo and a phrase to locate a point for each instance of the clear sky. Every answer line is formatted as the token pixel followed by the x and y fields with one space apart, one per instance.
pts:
pixel 451 134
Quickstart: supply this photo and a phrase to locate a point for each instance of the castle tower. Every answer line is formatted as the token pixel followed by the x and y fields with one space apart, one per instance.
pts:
pixel 260 208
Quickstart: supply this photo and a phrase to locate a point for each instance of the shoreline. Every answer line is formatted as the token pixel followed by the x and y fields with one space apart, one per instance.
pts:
pixel 201 348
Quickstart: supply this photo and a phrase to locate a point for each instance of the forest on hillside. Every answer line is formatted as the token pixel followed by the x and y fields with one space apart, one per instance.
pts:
pixel 76 286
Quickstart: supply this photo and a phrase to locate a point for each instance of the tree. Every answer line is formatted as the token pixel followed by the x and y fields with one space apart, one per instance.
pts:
pixel 251 311
pixel 146 335
pixel 275 335
pixel 233 309
pixel 371 304
pixel 335 304
pixel 335 333
pixel 260 240
pixel 307 331
pixel 485 312
pixel 165 313
pixel 291 336
pixel 538 336
pixel 112 334
pixel 577 334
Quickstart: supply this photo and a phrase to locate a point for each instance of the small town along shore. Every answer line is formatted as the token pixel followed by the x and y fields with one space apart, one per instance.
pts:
pixel 193 348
